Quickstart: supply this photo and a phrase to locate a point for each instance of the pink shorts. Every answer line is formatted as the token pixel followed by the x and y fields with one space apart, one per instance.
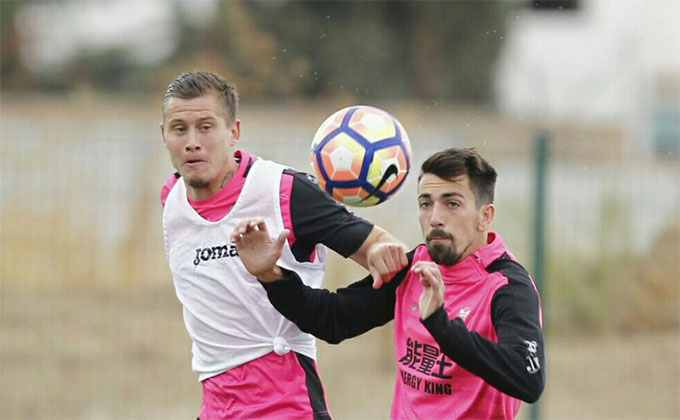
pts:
pixel 271 387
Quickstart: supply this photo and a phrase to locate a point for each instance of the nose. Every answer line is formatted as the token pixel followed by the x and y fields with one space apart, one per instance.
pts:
pixel 436 219
pixel 192 144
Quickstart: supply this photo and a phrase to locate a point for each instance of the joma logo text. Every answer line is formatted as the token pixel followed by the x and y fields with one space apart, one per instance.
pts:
pixel 215 252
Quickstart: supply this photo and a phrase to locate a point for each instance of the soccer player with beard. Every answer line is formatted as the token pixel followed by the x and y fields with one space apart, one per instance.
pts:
pixel 468 335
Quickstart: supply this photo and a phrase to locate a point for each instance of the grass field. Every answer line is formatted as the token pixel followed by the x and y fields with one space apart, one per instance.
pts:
pixel 79 354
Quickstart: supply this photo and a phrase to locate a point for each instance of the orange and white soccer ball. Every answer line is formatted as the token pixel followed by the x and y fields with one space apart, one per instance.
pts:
pixel 361 155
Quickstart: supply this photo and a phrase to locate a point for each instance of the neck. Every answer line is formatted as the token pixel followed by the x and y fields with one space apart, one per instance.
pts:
pixel 203 193
pixel 480 242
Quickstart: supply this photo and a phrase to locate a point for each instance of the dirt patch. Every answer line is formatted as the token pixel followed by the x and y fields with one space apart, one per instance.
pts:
pixel 84 354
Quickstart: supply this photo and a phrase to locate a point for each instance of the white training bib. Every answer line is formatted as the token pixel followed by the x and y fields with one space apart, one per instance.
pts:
pixel 226 310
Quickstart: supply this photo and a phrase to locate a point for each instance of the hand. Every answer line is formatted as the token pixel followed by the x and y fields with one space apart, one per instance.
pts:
pixel 257 250
pixel 432 297
pixel 385 259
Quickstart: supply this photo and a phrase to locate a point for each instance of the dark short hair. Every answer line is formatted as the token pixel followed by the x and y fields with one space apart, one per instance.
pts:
pixel 452 163
pixel 197 83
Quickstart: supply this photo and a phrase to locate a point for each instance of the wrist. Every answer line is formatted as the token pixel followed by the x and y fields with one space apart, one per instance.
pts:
pixel 272 275
pixel 425 315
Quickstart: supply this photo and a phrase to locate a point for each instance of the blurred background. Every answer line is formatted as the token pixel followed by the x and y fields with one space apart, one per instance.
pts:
pixel 576 103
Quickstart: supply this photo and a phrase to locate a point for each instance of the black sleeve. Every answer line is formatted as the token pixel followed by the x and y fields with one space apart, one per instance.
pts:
pixel 333 317
pixel 516 364
pixel 318 218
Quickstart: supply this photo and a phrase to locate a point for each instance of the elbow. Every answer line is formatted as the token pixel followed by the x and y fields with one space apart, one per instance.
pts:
pixel 532 397
pixel 533 390
pixel 328 337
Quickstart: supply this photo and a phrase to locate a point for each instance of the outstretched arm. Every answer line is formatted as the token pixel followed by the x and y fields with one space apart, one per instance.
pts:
pixel 332 317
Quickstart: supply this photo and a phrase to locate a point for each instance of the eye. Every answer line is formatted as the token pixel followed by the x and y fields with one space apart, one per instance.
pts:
pixel 179 129
pixel 424 204
pixel 206 125
pixel 453 204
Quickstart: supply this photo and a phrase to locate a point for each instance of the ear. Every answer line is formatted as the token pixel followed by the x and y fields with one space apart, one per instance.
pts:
pixel 235 132
pixel 162 127
pixel 486 215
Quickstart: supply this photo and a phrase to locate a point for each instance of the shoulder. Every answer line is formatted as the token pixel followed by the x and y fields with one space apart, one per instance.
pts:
pixel 316 217
pixel 167 186
pixel 510 269
pixel 306 192
pixel 303 180
pixel 518 295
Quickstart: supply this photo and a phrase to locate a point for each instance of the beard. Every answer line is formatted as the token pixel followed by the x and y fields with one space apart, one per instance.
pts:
pixel 441 253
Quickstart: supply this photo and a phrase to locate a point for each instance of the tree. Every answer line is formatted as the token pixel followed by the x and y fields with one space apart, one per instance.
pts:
pixel 395 49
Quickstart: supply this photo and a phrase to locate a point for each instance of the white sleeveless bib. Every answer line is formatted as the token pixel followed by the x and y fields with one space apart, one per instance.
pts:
pixel 226 310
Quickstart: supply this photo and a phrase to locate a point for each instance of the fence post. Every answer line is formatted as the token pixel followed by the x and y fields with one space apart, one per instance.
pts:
pixel 541 153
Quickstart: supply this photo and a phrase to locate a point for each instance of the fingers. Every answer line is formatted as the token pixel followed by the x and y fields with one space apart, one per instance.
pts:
pixel 403 259
pixel 281 240
pixel 428 279
pixel 247 226
pixel 421 266
pixel 258 251
pixel 432 296
pixel 395 259
pixel 377 278
pixel 239 230
pixel 257 225
pixel 384 261
pixel 430 276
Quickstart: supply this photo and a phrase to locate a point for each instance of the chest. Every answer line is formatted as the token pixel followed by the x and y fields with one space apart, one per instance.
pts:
pixel 469 300
pixel 196 248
